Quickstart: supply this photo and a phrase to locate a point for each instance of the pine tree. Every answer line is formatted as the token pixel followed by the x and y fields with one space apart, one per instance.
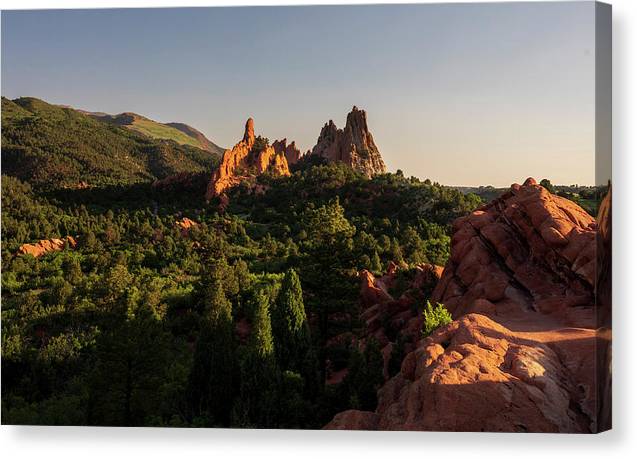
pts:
pixel 211 380
pixel 257 401
pixel 262 342
pixel 376 266
pixel 131 361
pixel 365 376
pixel 289 323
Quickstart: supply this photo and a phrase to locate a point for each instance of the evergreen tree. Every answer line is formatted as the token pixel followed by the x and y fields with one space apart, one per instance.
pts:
pixel 211 387
pixel 257 401
pixel 289 323
pixel 327 267
pixel 131 362
pixel 376 266
pixel 365 376
pixel 262 341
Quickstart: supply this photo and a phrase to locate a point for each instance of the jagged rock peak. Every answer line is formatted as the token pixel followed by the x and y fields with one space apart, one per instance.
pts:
pixel 248 134
pixel 291 151
pixel 354 145
pixel 244 162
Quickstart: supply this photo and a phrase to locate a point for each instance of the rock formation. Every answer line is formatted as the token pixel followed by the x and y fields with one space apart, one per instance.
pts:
pixel 520 355
pixel 291 152
pixel 244 161
pixel 185 224
pixel 47 245
pixel 528 250
pixel 353 145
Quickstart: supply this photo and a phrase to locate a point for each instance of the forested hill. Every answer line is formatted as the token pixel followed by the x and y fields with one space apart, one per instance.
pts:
pixel 54 147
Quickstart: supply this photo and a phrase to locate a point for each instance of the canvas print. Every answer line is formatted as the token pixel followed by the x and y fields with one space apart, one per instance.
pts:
pixel 371 217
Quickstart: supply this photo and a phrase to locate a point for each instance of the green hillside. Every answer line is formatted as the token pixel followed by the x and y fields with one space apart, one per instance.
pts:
pixel 51 147
pixel 178 132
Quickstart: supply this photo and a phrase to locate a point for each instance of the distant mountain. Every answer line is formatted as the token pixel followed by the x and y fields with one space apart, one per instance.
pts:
pixel 51 146
pixel 190 131
pixel 179 132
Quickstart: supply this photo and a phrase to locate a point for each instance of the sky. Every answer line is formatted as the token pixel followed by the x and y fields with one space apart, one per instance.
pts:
pixel 463 94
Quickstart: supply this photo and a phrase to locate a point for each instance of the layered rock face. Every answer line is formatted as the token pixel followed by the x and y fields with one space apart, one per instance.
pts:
pixel 520 355
pixel 528 250
pixel 47 245
pixel 244 161
pixel 353 145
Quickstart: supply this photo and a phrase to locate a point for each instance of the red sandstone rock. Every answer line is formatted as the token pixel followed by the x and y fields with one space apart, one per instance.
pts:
pixel 242 162
pixel 528 248
pixel 475 375
pixel 185 224
pixel 373 291
pixel 47 245
pixel 353 145
pixel 521 354
pixel 291 152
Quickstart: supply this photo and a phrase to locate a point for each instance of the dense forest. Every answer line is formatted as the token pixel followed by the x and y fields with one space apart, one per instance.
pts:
pixel 224 322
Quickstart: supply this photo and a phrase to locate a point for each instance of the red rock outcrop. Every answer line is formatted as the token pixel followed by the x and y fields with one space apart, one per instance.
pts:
pixel 353 145
pixel 47 245
pixel 245 161
pixel 521 354
pixel 185 224
pixel 476 375
pixel 528 248
pixel 291 152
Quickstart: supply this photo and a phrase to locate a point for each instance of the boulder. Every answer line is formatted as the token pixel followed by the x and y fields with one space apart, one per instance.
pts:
pixel 44 246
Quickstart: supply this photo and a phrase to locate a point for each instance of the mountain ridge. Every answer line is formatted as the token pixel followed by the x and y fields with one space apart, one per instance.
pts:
pixel 52 146
pixel 181 133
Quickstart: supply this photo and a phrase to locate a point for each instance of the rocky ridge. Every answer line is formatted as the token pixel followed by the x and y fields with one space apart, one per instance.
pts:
pixel 520 354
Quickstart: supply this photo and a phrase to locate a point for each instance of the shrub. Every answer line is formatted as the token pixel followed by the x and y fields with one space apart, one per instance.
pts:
pixel 434 317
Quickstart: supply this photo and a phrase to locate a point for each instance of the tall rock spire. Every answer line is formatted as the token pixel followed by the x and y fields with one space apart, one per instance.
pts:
pixel 354 145
pixel 248 134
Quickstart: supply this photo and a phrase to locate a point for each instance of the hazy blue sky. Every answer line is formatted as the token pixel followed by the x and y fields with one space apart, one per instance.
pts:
pixel 462 94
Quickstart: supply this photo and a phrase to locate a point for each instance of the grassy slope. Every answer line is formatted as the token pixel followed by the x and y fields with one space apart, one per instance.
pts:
pixel 177 132
pixel 161 131
pixel 52 146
